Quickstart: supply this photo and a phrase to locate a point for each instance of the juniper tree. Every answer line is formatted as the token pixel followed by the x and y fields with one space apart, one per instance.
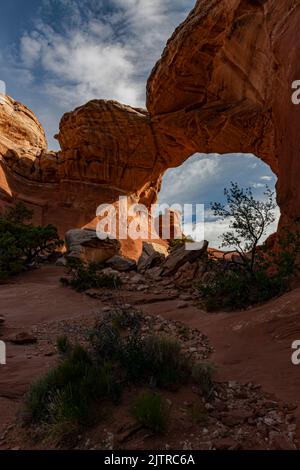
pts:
pixel 249 220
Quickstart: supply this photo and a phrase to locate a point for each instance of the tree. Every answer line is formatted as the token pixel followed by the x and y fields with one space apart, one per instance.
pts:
pixel 249 219
pixel 22 244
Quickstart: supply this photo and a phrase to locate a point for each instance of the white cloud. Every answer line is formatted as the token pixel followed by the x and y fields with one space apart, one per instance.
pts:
pixel 99 52
pixel 30 50
pixel 214 229
pixel 182 182
pixel 202 178
pixel 266 178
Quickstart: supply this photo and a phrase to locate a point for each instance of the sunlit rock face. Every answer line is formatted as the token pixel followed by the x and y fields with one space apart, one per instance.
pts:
pixel 223 84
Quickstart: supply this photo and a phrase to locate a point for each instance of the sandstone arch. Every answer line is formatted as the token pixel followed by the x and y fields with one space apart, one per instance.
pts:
pixel 223 85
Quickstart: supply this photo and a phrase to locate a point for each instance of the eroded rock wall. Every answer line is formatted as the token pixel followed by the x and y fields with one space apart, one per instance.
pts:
pixel 223 84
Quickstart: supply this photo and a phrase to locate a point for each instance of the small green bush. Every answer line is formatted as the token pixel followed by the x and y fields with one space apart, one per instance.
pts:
pixel 165 361
pixel 232 287
pixel 63 345
pixel 126 318
pixel 202 375
pixel 22 244
pixel 133 360
pixel 68 391
pixel 67 397
pixel 105 339
pixel 83 277
pixel 151 411
pixel 153 359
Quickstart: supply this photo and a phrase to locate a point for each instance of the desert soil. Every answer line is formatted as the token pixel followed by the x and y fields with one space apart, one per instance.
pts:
pixel 252 351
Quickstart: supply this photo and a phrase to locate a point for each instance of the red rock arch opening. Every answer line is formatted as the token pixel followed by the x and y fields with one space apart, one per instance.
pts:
pixel 201 179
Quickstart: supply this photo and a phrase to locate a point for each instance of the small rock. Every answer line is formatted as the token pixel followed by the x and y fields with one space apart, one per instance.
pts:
pixel 141 288
pixel 137 279
pixel 23 338
pixel 121 263
pixel 62 261
pixel 106 309
pixel 182 305
pixel 186 297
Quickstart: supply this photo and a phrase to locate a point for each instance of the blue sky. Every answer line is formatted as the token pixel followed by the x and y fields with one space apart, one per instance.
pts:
pixel 58 54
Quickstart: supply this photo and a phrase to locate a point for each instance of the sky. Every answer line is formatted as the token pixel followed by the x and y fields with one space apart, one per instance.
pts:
pixel 56 55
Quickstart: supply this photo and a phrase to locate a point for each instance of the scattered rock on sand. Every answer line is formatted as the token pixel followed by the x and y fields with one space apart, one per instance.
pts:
pixel 23 338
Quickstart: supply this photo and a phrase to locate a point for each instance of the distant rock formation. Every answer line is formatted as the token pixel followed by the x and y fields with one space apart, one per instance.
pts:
pixel 223 85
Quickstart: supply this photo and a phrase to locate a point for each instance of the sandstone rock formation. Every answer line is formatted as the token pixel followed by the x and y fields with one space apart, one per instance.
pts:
pixel 85 245
pixel 223 85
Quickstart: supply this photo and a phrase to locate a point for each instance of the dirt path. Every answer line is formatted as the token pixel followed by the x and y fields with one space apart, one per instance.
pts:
pixel 251 346
pixel 33 300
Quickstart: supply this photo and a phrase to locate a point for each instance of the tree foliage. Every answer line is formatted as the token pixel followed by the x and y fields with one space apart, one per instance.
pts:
pixel 249 220
pixel 251 273
pixel 21 242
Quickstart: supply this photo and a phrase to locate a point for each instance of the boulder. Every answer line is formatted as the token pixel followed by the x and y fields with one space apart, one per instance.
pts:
pixel 85 245
pixel 153 255
pixel 120 263
pixel 180 256
pixel 186 273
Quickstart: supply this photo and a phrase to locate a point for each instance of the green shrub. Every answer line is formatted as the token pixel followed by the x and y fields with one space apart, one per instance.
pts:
pixel 126 318
pixel 83 277
pixel 68 391
pixel 254 274
pixel 22 244
pixel 199 413
pixel 202 375
pixel 151 411
pixel 105 339
pixel 231 287
pixel 133 360
pixel 70 394
pixel 153 359
pixel 63 345
pixel 165 361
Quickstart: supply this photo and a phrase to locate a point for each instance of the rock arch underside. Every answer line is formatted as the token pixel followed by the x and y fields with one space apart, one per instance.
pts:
pixel 223 84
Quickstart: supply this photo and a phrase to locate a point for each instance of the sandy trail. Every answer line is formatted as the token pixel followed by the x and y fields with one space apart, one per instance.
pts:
pixel 250 346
